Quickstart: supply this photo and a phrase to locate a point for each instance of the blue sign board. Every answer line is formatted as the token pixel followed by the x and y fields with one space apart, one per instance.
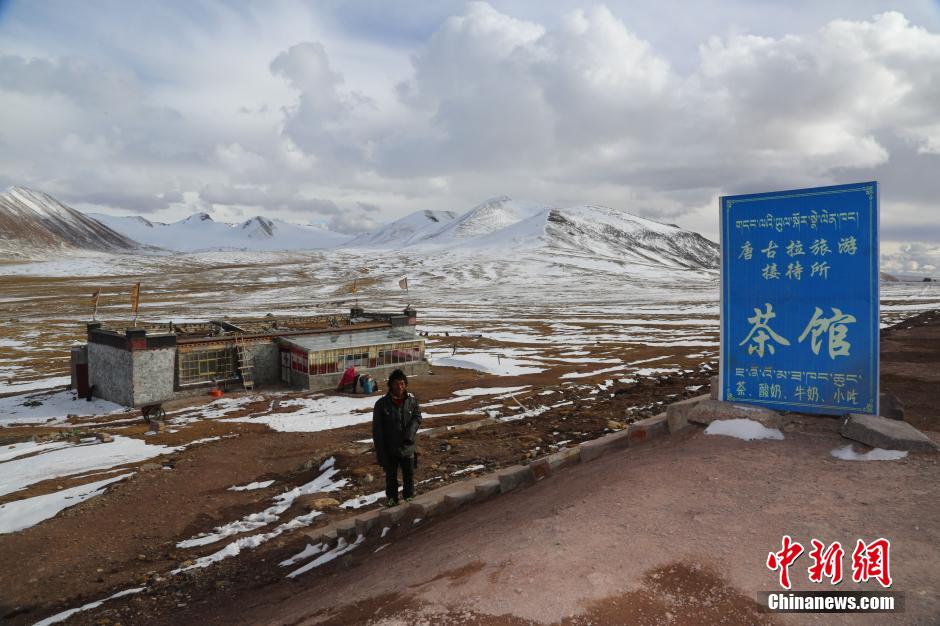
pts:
pixel 799 299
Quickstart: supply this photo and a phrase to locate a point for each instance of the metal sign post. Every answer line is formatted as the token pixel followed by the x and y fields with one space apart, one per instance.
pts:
pixel 799 299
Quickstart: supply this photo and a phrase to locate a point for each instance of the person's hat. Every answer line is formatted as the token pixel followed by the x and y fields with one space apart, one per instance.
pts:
pixel 397 375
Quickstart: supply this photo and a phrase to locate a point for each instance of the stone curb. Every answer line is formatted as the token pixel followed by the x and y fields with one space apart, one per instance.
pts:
pixel 449 498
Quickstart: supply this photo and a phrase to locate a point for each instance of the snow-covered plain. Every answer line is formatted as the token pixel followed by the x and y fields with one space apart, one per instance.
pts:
pixel 524 308
pixel 527 305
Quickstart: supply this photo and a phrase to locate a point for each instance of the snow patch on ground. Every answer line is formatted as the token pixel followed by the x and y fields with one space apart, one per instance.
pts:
pixel 75 459
pixel 341 548
pixel 57 406
pixel 44 383
pixel 321 484
pixel 846 453
pixel 361 501
pixel 616 368
pixel 64 615
pixel 489 363
pixel 652 371
pixel 310 551
pixel 655 358
pixel 249 543
pixel 745 429
pixel 584 360
pixel 317 413
pixel 463 394
pixel 22 514
pixel 28 447
pixel 213 410
pixel 252 486
pixel 530 412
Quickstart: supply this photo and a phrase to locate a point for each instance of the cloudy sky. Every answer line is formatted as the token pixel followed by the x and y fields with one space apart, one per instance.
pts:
pixel 353 113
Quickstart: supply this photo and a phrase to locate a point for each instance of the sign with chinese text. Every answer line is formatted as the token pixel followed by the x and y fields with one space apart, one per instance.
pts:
pixel 799 299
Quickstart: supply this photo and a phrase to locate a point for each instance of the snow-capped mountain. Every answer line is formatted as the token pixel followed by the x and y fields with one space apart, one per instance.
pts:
pixel 258 228
pixel 409 229
pixel 33 224
pixel 502 225
pixel 489 217
pixel 200 232
pixel 607 232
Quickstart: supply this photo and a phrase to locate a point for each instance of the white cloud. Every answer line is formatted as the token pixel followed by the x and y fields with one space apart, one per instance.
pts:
pixel 913 258
pixel 321 105
pixel 328 111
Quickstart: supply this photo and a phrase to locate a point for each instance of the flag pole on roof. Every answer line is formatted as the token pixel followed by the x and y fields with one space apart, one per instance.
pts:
pixel 403 283
pixel 135 301
pixel 94 304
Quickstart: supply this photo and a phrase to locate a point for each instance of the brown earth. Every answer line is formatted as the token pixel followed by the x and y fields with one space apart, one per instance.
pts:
pixel 559 544
pixel 910 353
pixel 138 522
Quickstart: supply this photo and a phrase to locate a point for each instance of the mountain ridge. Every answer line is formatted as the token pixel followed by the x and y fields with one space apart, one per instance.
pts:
pixel 500 225
pixel 503 224
pixel 33 223
pixel 199 232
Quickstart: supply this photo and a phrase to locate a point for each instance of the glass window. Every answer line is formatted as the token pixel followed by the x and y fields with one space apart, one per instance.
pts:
pixel 205 366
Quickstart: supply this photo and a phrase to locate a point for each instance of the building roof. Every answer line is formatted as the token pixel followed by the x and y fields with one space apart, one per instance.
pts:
pixel 352 339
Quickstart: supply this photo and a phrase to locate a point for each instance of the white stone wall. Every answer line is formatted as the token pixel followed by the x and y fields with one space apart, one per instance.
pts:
pixel 153 375
pixel 109 372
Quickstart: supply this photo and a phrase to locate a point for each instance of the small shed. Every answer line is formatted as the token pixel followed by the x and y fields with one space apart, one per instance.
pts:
pixel 318 361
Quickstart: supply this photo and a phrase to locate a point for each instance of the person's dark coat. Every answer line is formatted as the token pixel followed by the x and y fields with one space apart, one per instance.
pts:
pixel 394 428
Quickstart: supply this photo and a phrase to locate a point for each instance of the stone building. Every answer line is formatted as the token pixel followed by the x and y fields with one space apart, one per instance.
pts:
pixel 154 363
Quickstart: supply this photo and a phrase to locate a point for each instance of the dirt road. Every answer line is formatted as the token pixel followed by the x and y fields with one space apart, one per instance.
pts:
pixel 676 532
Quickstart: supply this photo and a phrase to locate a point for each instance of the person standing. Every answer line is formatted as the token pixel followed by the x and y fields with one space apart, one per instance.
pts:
pixel 395 421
